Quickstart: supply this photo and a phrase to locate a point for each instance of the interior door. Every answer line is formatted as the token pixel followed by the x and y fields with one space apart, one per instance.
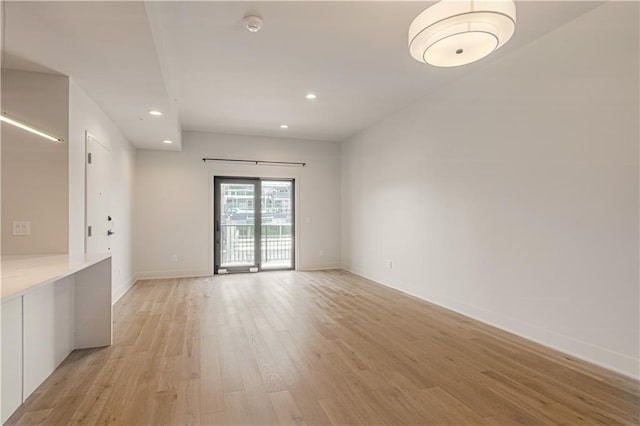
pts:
pixel 98 221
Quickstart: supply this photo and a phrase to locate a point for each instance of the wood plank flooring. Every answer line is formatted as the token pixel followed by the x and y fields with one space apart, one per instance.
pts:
pixel 316 348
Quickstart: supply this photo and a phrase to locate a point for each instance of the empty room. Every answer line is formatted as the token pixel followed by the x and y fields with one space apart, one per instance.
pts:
pixel 320 212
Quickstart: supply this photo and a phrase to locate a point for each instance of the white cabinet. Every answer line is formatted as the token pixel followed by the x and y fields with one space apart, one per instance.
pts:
pixel 11 356
pixel 51 305
pixel 48 331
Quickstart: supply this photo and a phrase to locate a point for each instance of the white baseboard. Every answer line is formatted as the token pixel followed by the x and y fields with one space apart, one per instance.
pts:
pixel 190 273
pixel 605 358
pixel 178 273
pixel 319 267
pixel 123 288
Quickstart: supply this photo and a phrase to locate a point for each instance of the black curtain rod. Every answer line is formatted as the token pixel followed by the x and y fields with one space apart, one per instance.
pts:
pixel 292 163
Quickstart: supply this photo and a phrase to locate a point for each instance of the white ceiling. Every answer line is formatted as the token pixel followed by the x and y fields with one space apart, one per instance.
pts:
pixel 195 62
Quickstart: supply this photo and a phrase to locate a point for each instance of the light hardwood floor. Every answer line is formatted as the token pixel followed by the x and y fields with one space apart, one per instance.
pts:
pixel 316 348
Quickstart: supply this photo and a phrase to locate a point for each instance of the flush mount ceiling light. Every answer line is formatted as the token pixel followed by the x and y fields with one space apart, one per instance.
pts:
pixel 311 96
pixel 284 126
pixel 155 113
pixel 458 32
pixel 253 23
pixel 167 141
pixel 28 128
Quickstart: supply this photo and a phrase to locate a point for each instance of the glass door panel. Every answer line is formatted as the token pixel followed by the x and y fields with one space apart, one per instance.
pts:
pixel 236 225
pixel 277 224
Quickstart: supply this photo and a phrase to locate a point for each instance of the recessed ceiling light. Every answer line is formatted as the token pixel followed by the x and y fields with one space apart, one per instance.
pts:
pixel 155 113
pixel 253 23
pixel 284 126
pixel 311 96
pixel 167 141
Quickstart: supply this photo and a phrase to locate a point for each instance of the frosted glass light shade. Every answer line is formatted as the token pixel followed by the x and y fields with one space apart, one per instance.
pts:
pixel 458 32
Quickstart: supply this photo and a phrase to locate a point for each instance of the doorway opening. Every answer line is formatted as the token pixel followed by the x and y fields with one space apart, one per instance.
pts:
pixel 254 224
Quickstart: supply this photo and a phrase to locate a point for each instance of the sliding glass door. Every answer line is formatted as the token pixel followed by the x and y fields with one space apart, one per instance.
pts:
pixel 254 224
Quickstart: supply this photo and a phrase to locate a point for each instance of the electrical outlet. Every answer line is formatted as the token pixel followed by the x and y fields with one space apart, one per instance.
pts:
pixel 21 227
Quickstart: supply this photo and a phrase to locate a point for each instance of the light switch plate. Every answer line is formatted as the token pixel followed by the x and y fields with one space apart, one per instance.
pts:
pixel 21 227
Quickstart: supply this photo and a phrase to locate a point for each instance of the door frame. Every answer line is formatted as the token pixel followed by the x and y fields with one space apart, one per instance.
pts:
pixel 257 222
pixel 269 172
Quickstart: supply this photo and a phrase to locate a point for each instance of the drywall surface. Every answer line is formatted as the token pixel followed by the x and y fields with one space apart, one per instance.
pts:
pixel 511 196
pixel 34 169
pixel 85 115
pixel 174 200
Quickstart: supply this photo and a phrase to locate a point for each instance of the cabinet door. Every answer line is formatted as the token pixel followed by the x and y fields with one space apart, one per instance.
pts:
pixel 48 330
pixel 39 343
pixel 11 357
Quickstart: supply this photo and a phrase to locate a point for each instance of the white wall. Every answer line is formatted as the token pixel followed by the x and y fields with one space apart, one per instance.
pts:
pixel 511 196
pixel 174 200
pixel 34 170
pixel 85 115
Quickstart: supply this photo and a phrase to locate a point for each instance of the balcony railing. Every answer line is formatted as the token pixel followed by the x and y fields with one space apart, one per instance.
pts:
pixel 237 245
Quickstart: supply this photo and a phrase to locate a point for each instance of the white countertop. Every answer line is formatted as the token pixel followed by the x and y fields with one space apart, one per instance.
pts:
pixel 21 273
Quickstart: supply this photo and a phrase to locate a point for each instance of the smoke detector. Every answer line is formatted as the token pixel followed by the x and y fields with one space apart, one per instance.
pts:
pixel 253 23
